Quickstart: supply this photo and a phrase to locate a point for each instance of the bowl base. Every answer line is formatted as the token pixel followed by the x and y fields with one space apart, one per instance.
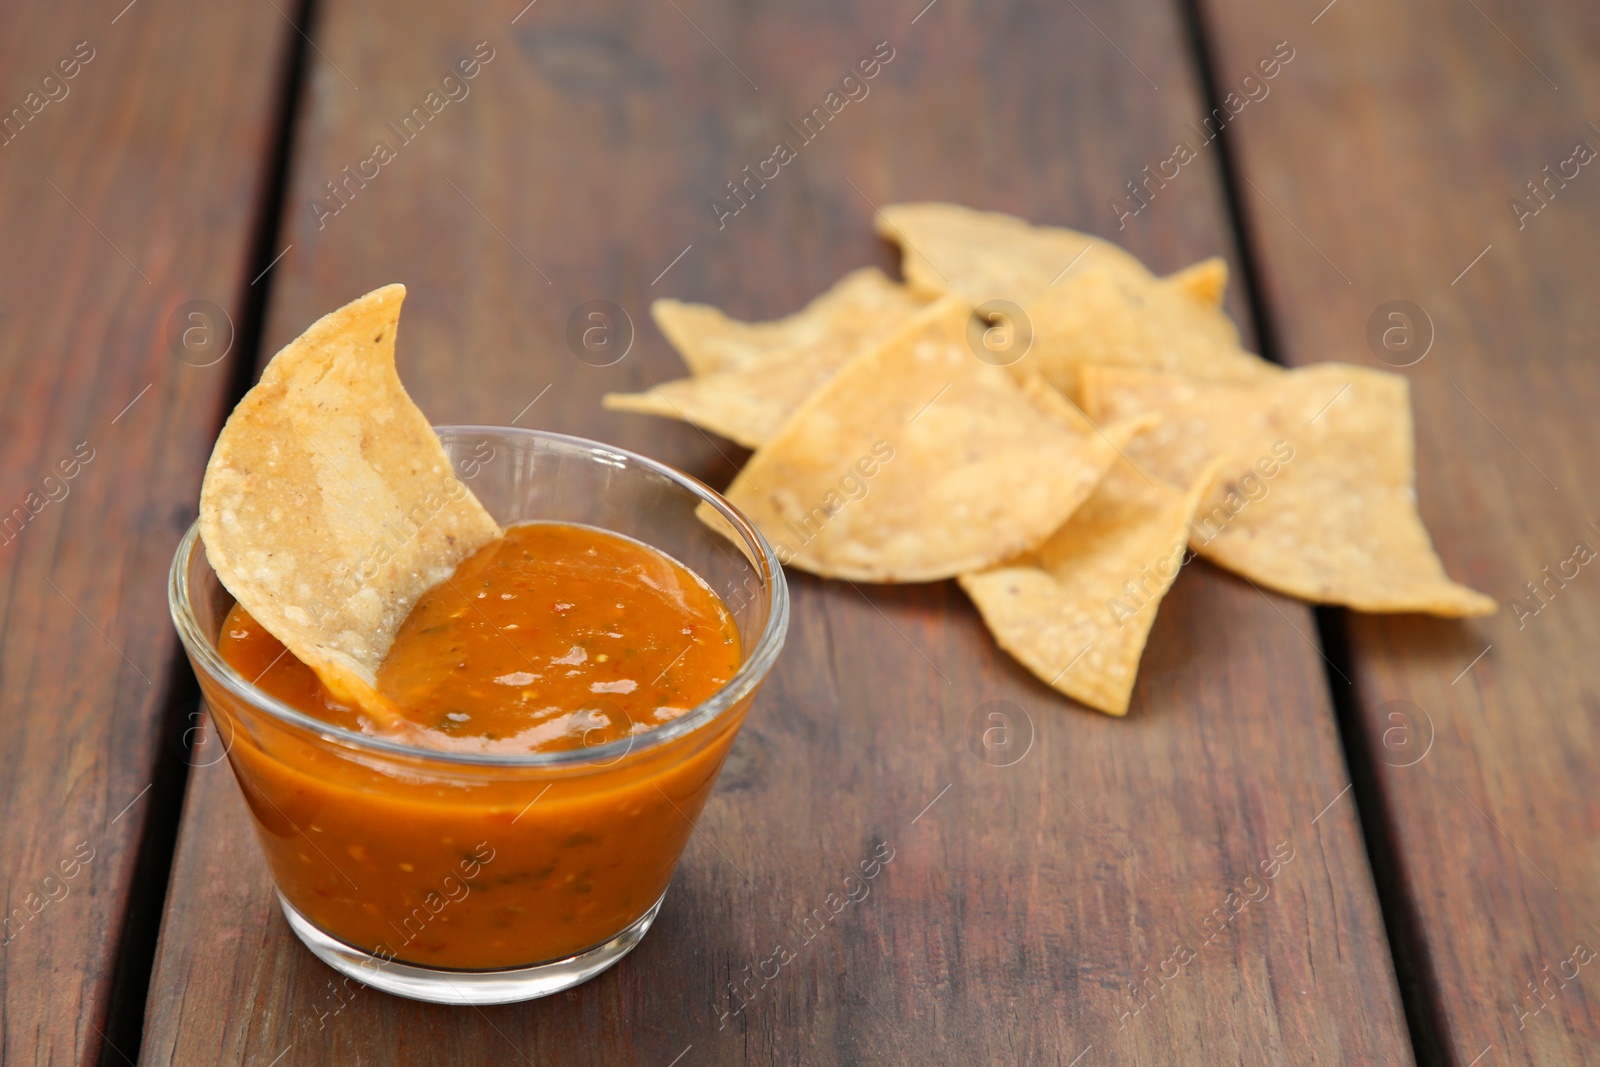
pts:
pixel 442 986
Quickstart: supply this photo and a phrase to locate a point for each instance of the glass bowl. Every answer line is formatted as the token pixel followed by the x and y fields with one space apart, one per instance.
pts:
pixel 467 878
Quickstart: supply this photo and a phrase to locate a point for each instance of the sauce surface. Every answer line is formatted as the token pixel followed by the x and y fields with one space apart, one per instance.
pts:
pixel 554 637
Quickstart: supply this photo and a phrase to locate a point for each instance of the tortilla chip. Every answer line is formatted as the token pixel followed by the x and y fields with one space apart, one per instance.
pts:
pixel 1107 308
pixel 1206 281
pixel 1057 404
pixel 750 377
pixel 1077 611
pixel 1108 316
pixel 1318 499
pixel 985 255
pixel 918 462
pixel 746 406
pixel 329 505
pixel 862 307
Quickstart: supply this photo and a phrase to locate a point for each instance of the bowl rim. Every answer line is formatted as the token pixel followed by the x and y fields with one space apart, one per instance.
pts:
pixel 752 671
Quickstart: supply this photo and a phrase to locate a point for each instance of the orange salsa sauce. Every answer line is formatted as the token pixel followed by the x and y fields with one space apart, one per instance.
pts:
pixel 555 637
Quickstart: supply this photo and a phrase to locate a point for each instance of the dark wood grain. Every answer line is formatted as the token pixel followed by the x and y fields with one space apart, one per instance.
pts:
pixel 1022 900
pixel 127 189
pixel 1380 168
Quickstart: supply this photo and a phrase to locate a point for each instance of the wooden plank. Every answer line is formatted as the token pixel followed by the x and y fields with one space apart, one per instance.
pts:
pixel 1022 900
pixel 133 159
pixel 1383 167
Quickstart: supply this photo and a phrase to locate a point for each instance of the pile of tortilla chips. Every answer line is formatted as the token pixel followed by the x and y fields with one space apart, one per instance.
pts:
pixel 1037 415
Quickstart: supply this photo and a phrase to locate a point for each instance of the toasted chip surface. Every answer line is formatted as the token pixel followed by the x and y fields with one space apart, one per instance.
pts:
pixel 746 405
pixel 1077 611
pixel 329 504
pixel 986 255
pixel 764 371
pixel 1111 316
pixel 1206 281
pixel 1318 499
pixel 862 307
pixel 917 462
pixel 1087 300
pixel 1055 402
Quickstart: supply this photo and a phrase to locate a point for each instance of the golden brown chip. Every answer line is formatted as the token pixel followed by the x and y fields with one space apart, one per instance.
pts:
pixel 862 307
pixel 1086 299
pixel 1319 499
pixel 1206 281
pixel 918 462
pixel 1109 316
pixel 329 505
pixel 746 406
pixel 989 256
pixel 768 369
pixel 1077 611
pixel 1057 404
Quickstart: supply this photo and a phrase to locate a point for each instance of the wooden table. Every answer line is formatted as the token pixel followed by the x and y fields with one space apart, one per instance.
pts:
pixel 1435 783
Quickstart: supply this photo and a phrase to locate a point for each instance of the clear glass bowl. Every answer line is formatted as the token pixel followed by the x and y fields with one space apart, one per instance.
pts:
pixel 485 879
